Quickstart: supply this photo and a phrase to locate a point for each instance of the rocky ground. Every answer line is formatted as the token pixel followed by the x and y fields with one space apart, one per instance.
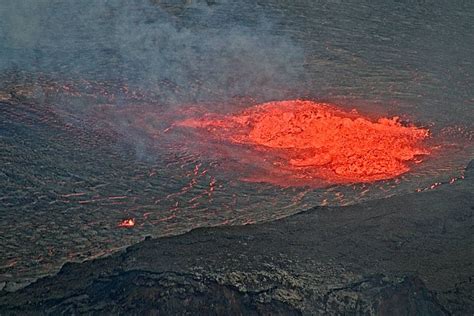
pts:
pixel 404 255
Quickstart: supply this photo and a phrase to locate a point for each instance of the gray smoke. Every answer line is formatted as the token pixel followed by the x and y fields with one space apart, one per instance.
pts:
pixel 204 50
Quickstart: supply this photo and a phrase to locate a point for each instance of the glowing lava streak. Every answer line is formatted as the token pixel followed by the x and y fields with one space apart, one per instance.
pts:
pixel 322 140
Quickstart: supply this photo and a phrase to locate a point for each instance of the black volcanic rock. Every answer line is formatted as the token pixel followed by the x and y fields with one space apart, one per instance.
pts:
pixel 404 255
pixel 470 169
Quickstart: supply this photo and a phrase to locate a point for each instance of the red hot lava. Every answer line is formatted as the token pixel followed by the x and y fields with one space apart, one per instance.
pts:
pixel 127 223
pixel 320 140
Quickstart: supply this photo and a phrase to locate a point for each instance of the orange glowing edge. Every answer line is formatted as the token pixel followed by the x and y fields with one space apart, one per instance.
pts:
pixel 129 222
pixel 321 140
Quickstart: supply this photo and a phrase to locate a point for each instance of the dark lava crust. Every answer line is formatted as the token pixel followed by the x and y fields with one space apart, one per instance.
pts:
pixel 404 255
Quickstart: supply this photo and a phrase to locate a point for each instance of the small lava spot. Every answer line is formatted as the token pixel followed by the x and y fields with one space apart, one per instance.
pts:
pixel 127 223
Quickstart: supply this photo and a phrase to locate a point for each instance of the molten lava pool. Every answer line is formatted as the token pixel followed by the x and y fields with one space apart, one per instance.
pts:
pixel 315 140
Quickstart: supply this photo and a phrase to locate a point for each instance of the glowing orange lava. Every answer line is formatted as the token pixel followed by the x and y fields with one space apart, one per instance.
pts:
pixel 129 222
pixel 323 141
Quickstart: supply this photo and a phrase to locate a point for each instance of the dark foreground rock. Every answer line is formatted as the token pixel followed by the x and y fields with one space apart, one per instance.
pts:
pixel 404 255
